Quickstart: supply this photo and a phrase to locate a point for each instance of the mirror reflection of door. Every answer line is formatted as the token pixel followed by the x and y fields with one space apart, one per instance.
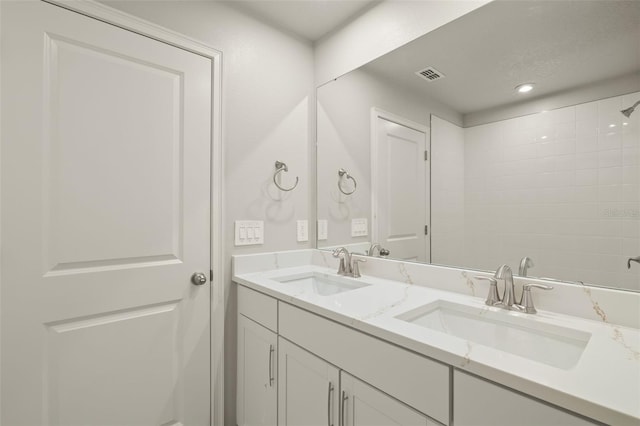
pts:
pixel 400 186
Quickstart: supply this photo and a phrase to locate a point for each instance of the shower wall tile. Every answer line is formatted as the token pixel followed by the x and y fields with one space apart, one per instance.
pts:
pixel 562 187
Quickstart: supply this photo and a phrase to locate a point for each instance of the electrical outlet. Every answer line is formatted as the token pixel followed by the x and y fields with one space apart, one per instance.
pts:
pixel 249 232
pixel 303 230
pixel 323 229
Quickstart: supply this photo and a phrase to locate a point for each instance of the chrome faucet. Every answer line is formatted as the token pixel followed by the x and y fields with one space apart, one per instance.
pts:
pixel 381 251
pixel 508 297
pixel 345 261
pixel 525 264
pixel 508 300
pixel 632 259
pixel 348 264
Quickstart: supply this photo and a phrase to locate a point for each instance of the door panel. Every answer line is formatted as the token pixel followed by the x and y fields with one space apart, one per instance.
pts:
pixel 257 396
pixel 105 216
pixel 307 388
pixel 115 214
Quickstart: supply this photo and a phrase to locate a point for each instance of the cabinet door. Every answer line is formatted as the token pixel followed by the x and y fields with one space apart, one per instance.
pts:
pixel 308 388
pixel 364 405
pixel 477 402
pixel 257 373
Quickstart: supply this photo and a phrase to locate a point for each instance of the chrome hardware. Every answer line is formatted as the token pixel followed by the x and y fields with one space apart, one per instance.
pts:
pixel 271 378
pixel 508 297
pixel 345 261
pixel 329 404
pixel 526 302
pixel 372 249
pixel 355 269
pixel 348 265
pixel 525 264
pixel 492 298
pixel 343 403
pixel 343 173
pixel 382 251
pixel 632 259
pixel 280 167
pixel 199 278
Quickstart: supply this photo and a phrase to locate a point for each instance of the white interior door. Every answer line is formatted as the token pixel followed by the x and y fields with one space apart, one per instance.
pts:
pixel 105 215
pixel 400 189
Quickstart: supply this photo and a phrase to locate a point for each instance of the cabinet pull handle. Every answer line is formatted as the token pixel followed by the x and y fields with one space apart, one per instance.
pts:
pixel 344 399
pixel 271 379
pixel 329 404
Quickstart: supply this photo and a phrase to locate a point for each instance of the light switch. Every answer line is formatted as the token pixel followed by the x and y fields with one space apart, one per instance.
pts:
pixel 303 230
pixel 323 229
pixel 359 227
pixel 249 232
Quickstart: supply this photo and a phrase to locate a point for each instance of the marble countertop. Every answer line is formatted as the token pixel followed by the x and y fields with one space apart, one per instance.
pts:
pixel 604 384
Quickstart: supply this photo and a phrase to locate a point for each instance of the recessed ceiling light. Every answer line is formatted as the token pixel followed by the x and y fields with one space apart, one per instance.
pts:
pixel 525 88
pixel 625 124
pixel 612 125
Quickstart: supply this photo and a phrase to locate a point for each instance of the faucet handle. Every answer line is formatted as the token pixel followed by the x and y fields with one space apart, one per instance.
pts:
pixel 492 298
pixel 526 303
pixel 355 269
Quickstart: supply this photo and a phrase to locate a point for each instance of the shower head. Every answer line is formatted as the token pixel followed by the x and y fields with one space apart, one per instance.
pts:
pixel 627 112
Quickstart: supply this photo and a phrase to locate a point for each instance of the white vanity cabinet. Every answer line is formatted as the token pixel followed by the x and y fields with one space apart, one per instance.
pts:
pixel 257 378
pixel 308 388
pixel 300 368
pixel 478 402
pixel 364 405
pixel 313 392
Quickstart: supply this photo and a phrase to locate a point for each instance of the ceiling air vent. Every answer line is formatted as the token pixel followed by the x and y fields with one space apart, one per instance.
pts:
pixel 430 74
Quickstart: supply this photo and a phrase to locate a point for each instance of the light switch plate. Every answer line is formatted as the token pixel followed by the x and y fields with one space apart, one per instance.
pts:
pixel 249 232
pixel 359 227
pixel 303 230
pixel 323 229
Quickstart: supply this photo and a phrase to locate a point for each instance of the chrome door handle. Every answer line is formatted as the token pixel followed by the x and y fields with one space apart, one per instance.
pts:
pixel 329 404
pixel 343 404
pixel 198 278
pixel 271 378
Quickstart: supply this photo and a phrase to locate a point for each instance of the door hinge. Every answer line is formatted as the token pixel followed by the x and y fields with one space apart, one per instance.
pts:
pixel 426 230
pixel 426 156
pixel 210 275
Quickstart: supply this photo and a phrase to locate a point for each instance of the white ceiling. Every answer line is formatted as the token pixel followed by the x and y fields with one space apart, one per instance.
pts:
pixel 309 19
pixel 559 45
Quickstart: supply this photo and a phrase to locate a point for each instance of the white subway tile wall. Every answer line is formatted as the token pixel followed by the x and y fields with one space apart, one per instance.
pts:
pixel 562 187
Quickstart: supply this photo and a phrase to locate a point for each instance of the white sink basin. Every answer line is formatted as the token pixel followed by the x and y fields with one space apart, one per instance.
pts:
pixel 553 345
pixel 321 284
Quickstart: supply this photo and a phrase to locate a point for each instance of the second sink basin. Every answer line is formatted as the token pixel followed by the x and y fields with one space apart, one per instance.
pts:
pixel 549 344
pixel 321 284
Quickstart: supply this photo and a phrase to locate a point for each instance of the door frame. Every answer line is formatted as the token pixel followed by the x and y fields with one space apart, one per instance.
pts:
pixel 377 113
pixel 131 23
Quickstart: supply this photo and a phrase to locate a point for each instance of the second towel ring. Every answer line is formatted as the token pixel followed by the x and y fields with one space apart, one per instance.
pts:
pixel 280 166
pixel 341 173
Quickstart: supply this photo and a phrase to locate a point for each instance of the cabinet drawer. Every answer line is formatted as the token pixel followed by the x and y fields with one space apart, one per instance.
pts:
pixel 411 378
pixel 260 308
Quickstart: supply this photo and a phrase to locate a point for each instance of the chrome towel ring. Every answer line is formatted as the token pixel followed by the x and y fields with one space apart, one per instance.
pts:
pixel 342 173
pixel 280 166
